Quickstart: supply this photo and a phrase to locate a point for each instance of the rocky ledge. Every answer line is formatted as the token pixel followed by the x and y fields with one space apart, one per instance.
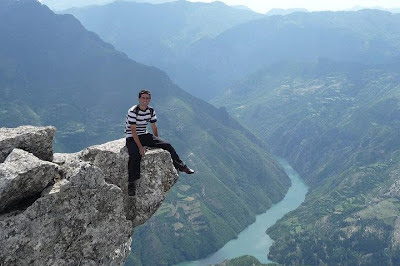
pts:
pixel 73 209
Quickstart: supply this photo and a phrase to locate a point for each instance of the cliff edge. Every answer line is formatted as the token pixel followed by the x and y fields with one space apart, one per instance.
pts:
pixel 73 209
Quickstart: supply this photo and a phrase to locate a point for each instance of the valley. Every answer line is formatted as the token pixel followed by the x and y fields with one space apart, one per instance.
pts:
pixel 231 88
pixel 339 126
pixel 55 72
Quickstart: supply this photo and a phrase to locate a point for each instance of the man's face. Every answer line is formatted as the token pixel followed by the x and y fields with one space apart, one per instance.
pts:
pixel 144 100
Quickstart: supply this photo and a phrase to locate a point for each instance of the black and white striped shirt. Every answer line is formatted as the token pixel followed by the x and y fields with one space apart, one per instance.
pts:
pixel 139 118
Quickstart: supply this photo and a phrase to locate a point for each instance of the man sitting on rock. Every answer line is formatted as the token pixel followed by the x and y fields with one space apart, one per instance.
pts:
pixel 137 137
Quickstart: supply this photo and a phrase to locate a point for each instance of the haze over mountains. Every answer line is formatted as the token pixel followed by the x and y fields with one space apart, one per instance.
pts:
pixel 321 89
pixel 275 10
pixel 54 72
pixel 220 58
pixel 65 4
pixel 339 124
pixel 162 35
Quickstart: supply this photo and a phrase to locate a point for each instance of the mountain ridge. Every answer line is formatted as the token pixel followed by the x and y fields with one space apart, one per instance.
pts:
pixel 158 35
pixel 220 60
pixel 337 124
pixel 70 78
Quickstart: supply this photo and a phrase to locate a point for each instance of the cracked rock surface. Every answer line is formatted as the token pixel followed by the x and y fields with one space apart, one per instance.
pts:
pixel 73 209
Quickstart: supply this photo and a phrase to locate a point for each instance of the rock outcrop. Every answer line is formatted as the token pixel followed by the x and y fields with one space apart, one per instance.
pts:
pixel 73 209
pixel 36 140
pixel 23 175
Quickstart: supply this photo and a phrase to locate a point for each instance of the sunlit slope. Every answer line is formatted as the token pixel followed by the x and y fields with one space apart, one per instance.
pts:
pixel 338 124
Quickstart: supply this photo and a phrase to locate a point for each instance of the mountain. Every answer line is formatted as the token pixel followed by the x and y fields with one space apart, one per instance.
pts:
pixel 159 35
pixel 65 4
pixel 392 10
pixel 54 72
pixel 205 65
pixel 132 27
pixel 368 36
pixel 338 125
pixel 284 12
pixel 242 7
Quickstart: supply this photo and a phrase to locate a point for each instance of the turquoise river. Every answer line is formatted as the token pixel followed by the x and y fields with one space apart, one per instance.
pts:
pixel 253 240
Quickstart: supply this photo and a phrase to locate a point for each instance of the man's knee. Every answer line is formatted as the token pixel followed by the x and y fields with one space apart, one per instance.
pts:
pixel 168 147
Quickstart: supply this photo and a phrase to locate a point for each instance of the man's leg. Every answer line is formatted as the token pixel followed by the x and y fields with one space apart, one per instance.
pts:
pixel 179 165
pixel 133 165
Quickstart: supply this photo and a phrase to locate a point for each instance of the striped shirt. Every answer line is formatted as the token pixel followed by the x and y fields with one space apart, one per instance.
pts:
pixel 140 119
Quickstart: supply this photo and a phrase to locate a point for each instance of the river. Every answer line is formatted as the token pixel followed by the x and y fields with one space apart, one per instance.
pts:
pixel 253 240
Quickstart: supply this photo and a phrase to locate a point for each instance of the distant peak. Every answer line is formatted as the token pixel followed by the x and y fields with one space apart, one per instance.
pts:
pixel 283 12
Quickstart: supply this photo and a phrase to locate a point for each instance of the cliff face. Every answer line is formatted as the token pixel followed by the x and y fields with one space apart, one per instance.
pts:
pixel 69 209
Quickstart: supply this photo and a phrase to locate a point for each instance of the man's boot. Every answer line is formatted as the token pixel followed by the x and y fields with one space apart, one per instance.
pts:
pixel 187 170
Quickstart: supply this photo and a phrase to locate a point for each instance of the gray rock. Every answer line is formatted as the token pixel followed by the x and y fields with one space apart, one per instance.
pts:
pixel 36 140
pixel 23 175
pixel 86 216
pixel 82 222
pixel 158 175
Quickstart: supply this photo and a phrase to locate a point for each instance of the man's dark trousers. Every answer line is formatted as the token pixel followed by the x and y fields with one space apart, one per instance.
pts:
pixel 148 140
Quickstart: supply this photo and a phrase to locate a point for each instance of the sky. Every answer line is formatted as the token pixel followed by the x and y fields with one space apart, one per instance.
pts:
pixel 264 6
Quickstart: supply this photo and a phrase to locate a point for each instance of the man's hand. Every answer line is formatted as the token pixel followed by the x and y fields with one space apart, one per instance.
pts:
pixel 142 150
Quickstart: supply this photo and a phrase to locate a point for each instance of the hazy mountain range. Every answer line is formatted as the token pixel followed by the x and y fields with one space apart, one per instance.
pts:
pixel 65 4
pixel 321 88
pixel 284 12
pixel 54 72
pixel 338 123
pixel 162 35
pixel 219 58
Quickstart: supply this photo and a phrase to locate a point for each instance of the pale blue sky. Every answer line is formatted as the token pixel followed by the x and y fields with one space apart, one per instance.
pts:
pixel 264 6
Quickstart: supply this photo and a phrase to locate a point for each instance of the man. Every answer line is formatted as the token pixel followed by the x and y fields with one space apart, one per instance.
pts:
pixel 137 137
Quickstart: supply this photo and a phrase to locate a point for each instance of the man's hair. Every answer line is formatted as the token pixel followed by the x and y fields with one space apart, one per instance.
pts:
pixel 144 92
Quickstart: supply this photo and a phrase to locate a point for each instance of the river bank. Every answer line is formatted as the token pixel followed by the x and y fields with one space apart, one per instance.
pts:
pixel 253 240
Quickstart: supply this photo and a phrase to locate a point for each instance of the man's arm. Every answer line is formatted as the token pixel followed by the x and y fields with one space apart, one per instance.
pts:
pixel 137 141
pixel 154 128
